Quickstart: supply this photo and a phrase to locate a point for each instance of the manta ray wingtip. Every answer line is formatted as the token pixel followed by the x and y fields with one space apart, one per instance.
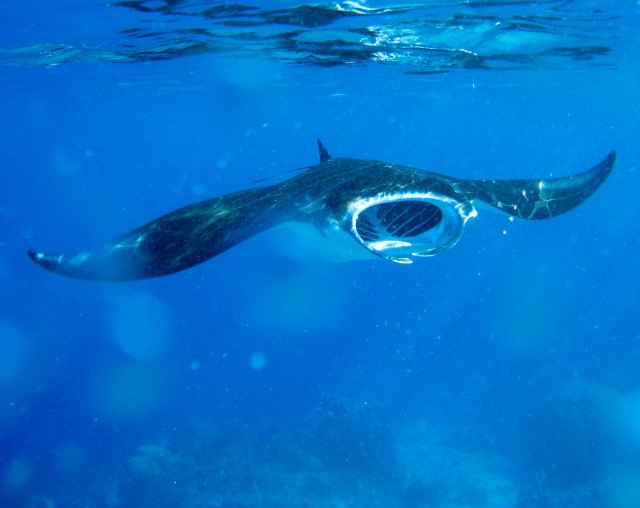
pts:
pixel 601 171
pixel 610 159
pixel 43 260
pixel 37 257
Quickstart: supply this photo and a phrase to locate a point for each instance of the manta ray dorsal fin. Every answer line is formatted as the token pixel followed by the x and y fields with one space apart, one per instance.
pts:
pixel 323 152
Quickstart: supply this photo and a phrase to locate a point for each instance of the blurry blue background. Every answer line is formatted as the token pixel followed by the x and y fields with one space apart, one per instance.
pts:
pixel 504 372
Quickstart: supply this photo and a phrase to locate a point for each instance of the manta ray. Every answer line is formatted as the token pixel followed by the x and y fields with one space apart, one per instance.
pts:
pixel 391 211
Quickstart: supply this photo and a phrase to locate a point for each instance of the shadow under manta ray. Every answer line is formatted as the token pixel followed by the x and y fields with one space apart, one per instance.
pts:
pixel 395 212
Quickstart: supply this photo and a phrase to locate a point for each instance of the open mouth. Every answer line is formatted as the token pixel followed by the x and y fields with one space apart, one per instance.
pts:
pixel 399 226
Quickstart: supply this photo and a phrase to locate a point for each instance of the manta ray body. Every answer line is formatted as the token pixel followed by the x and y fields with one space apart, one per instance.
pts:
pixel 392 211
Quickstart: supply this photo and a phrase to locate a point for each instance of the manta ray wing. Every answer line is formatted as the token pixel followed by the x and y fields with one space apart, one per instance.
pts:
pixel 540 199
pixel 176 241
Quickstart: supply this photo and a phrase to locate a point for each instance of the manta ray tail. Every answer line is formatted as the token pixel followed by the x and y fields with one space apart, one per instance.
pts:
pixel 175 241
pixel 539 199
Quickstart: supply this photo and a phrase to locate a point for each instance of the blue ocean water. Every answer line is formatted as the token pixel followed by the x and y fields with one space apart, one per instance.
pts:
pixel 502 373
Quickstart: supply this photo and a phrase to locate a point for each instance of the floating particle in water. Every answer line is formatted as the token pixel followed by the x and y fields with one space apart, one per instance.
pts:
pixel 258 361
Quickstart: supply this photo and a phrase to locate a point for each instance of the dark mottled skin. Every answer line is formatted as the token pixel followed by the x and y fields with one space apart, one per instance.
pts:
pixel 321 194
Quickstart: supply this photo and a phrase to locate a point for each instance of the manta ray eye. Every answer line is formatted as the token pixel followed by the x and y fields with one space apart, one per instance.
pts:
pixel 397 227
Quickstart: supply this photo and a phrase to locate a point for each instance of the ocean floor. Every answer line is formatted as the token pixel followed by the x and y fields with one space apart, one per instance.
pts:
pixel 341 456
